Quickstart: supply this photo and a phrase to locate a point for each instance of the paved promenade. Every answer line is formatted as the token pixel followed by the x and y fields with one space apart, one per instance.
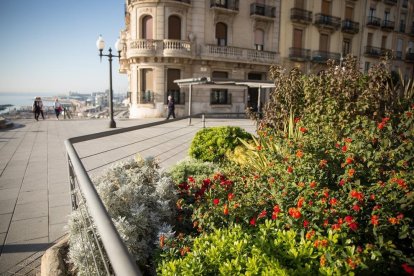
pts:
pixel 34 185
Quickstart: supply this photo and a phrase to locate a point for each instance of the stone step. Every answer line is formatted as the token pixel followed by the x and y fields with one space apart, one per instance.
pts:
pixel 5 123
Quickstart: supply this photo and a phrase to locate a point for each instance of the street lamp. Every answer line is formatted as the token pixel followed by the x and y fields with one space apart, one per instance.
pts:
pixel 100 43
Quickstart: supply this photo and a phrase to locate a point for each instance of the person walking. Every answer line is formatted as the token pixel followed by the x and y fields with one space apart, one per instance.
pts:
pixel 58 108
pixel 38 108
pixel 171 107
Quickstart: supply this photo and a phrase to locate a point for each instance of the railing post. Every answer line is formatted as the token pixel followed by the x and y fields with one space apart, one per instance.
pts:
pixel 203 120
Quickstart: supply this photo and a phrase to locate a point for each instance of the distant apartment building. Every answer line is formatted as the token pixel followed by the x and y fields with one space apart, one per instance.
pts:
pixel 317 30
pixel 167 40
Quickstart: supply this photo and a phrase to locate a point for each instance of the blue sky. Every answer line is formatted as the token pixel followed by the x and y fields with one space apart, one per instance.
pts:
pixel 50 45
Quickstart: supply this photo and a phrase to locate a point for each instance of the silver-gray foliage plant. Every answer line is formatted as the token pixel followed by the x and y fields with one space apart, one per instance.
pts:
pixel 141 202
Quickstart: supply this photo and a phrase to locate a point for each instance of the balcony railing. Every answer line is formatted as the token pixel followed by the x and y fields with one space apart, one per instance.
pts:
pixel 300 15
pixel 391 2
pixel 387 25
pixel 238 54
pixel 262 10
pixel 327 21
pixel 373 21
pixel 409 57
pixel 350 27
pixel 323 56
pixel 299 54
pixel 371 51
pixel 232 5
pixel 183 1
pixel 166 47
pixel 405 4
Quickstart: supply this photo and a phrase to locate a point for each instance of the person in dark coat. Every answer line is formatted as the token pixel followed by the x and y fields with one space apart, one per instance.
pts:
pixel 38 108
pixel 171 107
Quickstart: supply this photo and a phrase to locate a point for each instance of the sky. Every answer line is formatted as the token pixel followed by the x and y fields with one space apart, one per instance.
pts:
pixel 50 45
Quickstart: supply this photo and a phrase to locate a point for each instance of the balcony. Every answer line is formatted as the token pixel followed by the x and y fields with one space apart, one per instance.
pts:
pixel 160 48
pixel 376 52
pixel 325 21
pixel 350 27
pixel 225 6
pixel 300 16
pixel 299 54
pixel 373 22
pixel 323 57
pixel 409 57
pixel 236 54
pixel 387 25
pixel 262 10
pixel 412 30
pixel 391 2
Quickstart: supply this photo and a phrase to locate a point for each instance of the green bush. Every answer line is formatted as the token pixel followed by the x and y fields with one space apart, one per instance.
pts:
pixel 211 144
pixel 191 167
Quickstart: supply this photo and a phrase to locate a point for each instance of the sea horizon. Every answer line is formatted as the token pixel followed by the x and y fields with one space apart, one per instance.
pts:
pixel 24 99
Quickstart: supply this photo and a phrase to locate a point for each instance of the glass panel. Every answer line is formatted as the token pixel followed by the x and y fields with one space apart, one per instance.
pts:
pixel 221 34
pixel 174 27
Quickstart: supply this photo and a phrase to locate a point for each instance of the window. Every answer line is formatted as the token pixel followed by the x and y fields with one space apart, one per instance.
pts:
pixel 221 3
pixel 259 39
pixel 174 27
pixel 297 38
pixel 346 47
pixel 384 42
pixel 219 96
pixel 386 15
pixel 326 7
pixel 146 32
pixel 172 88
pixel 349 13
pixel 371 12
pixel 324 43
pixel 369 39
pixel 146 95
pixel 221 34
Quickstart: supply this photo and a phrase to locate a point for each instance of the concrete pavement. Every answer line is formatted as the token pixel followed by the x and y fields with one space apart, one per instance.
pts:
pixel 34 185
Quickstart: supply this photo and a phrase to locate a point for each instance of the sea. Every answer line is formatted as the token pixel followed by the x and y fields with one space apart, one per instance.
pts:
pixel 18 100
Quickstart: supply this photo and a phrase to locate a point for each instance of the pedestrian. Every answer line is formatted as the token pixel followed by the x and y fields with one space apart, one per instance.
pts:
pixel 58 108
pixel 38 108
pixel 171 107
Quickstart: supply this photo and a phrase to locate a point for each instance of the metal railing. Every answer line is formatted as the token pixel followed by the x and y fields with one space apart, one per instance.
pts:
pixel 323 56
pixel 263 10
pixel 300 15
pixel 113 256
pixel 327 20
pixel 299 54
pixel 373 21
pixel 349 26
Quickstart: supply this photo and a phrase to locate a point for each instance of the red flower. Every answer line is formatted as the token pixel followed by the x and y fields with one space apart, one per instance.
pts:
pixel 253 221
pixel 303 130
pixel 216 201
pixel 400 216
pixel 349 160
pixel 348 140
pixel 259 147
pixel 191 179
pixel 349 219
pixel 408 269
pixel 357 195
pixel 341 182
pixel 381 126
pixel 344 148
pixel 310 234
pixel 297 119
pixel 333 201
pixel 374 220
pixel 312 184
pixel 353 226
pixel 356 208
pixel 336 226
pixel 271 180
pixel 351 172
pixel 262 214
pixel 294 213
pixel 225 210
pixel 289 169
pixel 305 223
pixel 230 196
pixel 372 197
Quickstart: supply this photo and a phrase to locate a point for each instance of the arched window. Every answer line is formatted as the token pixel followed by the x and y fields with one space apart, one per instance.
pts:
pixel 146 31
pixel 174 27
pixel 221 34
pixel 259 39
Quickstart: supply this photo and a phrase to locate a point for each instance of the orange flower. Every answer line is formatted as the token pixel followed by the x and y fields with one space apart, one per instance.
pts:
pixel 289 169
pixel 348 140
pixel 349 160
pixel 323 163
pixel 184 250
pixel 303 130
pixel 374 220
pixel 310 234
pixel 300 202
pixel 322 261
pixel 162 241
pixel 393 221
pixel 225 210
pixel 357 195
pixel 351 263
pixel 294 213
pixel 299 154
pixel 230 196
pixel 351 172
pixel 301 184
pixel 312 184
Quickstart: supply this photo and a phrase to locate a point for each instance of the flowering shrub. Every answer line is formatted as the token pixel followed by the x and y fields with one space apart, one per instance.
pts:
pixel 140 202
pixel 192 167
pixel 211 144
pixel 349 198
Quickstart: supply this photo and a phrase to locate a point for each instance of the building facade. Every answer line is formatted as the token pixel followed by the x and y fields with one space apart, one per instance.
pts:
pixel 318 30
pixel 166 40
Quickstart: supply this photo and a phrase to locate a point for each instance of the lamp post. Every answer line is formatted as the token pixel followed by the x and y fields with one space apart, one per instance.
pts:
pixel 100 43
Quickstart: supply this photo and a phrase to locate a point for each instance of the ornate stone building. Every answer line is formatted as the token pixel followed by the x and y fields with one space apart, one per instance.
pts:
pixel 166 40
pixel 317 30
